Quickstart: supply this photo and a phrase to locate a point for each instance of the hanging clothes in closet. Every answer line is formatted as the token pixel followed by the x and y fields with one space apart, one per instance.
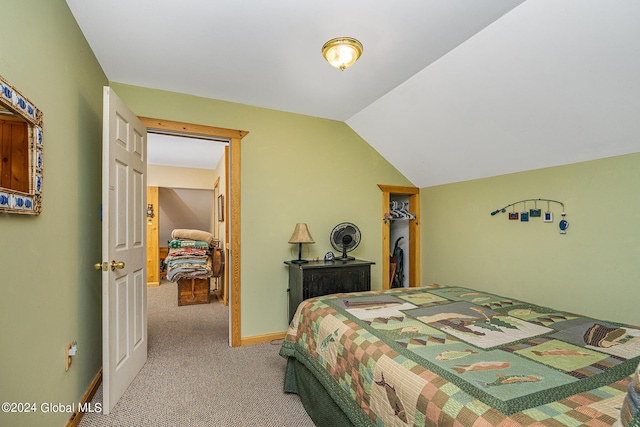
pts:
pixel 399 232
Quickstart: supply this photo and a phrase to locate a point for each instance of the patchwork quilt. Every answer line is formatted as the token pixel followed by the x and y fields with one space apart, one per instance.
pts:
pixel 458 357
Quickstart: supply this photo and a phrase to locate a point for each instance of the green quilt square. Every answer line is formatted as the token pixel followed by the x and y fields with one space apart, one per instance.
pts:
pixel 561 355
pixel 425 298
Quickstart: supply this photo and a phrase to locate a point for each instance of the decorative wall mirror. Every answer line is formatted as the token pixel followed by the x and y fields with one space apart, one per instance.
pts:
pixel 20 153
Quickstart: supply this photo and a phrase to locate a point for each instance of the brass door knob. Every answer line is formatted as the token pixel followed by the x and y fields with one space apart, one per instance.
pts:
pixel 97 266
pixel 119 265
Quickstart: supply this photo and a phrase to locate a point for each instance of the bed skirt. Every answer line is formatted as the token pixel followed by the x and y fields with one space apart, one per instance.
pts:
pixel 321 407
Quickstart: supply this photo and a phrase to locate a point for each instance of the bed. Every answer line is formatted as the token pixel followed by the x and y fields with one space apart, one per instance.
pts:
pixel 453 356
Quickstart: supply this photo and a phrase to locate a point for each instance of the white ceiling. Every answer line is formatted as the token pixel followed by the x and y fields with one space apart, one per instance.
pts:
pixel 446 90
pixel 167 150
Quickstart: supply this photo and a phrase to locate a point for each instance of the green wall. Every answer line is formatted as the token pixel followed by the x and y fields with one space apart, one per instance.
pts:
pixel 50 292
pixel 295 168
pixel 593 269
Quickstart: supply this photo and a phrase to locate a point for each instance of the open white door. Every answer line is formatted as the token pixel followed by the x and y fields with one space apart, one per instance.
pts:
pixel 124 277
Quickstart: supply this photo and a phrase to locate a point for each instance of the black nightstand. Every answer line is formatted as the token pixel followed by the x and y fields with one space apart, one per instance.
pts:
pixel 317 278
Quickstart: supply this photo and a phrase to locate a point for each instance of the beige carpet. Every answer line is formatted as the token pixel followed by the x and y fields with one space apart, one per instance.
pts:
pixel 193 378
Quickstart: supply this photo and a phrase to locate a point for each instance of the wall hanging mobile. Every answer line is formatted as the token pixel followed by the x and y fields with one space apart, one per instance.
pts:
pixel 524 215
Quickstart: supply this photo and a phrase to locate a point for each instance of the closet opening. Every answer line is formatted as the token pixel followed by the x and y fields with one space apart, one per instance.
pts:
pixel 400 236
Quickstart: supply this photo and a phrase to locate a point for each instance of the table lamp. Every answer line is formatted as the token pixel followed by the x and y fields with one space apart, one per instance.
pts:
pixel 300 235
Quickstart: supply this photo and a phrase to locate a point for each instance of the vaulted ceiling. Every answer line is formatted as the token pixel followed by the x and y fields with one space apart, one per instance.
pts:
pixel 446 90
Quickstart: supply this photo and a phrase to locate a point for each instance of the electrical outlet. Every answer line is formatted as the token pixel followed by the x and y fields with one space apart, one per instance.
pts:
pixel 70 351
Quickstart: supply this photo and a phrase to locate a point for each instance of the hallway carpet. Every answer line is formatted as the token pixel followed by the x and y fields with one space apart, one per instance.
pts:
pixel 193 378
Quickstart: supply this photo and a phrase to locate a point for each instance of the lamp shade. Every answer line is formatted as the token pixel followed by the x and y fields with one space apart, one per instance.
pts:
pixel 342 52
pixel 301 234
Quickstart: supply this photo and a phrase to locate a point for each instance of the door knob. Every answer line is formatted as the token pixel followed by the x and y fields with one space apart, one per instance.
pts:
pixel 98 266
pixel 119 265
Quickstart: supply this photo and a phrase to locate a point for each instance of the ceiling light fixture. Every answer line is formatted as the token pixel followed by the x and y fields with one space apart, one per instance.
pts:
pixel 342 52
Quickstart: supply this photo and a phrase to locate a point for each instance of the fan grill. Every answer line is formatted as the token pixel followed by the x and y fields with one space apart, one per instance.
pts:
pixel 345 237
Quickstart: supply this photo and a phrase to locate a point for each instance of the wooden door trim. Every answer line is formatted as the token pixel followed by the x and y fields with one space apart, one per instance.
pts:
pixel 232 207
pixel 153 229
pixel 225 274
pixel 414 233
pixel 192 129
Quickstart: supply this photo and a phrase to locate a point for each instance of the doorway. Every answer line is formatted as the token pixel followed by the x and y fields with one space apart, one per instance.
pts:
pixel 231 205
pixel 181 174
pixel 412 197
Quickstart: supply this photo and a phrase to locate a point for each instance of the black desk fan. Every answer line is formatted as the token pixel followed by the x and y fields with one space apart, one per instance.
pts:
pixel 345 237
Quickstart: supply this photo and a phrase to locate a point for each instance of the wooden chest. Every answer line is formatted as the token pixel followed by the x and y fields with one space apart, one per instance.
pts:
pixel 193 291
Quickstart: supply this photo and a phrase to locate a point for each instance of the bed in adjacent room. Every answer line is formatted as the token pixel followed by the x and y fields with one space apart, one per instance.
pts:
pixel 452 356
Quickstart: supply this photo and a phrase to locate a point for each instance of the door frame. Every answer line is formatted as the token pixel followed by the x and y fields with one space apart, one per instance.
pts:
pixel 414 233
pixel 221 282
pixel 153 227
pixel 232 207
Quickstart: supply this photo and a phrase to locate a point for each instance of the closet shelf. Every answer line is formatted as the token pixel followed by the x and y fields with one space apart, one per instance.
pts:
pixel 390 218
